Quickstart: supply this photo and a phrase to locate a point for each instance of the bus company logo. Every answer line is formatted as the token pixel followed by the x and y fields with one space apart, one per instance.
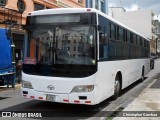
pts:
pixel 6 114
pixel 50 87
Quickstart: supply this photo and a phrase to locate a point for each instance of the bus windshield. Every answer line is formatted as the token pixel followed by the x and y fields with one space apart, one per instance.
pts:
pixel 61 50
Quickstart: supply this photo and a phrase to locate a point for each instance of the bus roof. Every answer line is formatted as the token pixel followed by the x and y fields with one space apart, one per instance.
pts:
pixel 80 10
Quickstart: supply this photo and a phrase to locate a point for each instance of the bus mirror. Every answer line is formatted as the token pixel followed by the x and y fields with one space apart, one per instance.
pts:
pixel 9 33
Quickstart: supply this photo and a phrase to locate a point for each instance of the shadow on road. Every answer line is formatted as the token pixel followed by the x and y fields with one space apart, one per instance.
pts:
pixel 124 91
pixel 50 109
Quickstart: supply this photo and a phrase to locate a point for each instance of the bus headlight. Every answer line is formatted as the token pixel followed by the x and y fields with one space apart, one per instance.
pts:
pixel 83 88
pixel 26 84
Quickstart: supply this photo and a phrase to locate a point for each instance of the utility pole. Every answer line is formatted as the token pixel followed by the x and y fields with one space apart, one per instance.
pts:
pixel 156 46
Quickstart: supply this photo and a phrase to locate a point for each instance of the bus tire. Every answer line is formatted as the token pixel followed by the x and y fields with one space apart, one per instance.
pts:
pixel 117 88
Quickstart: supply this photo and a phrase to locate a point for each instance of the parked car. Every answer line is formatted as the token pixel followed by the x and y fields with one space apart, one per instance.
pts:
pixel 152 58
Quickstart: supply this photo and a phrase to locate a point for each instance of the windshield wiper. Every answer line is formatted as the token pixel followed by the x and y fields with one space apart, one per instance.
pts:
pixel 63 61
pixel 46 54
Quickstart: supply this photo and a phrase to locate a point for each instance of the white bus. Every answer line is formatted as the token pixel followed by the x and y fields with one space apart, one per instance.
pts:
pixel 80 56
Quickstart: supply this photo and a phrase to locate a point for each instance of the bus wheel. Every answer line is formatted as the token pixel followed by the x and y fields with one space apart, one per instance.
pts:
pixel 117 87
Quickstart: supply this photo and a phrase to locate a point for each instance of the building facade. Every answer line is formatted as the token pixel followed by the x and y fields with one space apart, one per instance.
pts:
pixel 157 32
pixel 141 21
pixel 26 6
pixel 101 5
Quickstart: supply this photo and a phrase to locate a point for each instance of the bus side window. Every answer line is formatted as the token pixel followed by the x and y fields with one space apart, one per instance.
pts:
pixel 103 46
pixel 103 38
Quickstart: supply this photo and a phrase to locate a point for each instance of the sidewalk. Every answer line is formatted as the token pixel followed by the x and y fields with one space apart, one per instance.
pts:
pixel 148 100
pixel 4 88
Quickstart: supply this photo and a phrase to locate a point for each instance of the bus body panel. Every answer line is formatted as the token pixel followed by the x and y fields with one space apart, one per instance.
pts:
pixel 61 85
pixel 72 98
pixel 131 71
pixel 103 81
pixel 42 95
pixel 62 91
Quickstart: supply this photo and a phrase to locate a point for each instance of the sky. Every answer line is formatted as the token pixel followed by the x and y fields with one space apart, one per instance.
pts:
pixel 132 5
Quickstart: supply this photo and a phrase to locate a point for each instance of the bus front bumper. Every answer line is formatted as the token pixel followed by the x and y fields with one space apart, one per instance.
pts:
pixel 87 98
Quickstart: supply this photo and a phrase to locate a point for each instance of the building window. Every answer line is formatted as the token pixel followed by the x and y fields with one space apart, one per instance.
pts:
pixel 38 7
pixel 96 4
pixel 21 5
pixel 66 37
pixel 102 6
pixel 91 3
pixel 48 8
pixel 2 2
pixel 80 1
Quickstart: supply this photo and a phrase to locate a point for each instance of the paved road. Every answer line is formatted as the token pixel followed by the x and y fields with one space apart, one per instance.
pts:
pixel 11 101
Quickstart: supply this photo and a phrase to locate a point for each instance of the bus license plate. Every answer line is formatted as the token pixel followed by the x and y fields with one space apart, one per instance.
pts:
pixel 50 98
